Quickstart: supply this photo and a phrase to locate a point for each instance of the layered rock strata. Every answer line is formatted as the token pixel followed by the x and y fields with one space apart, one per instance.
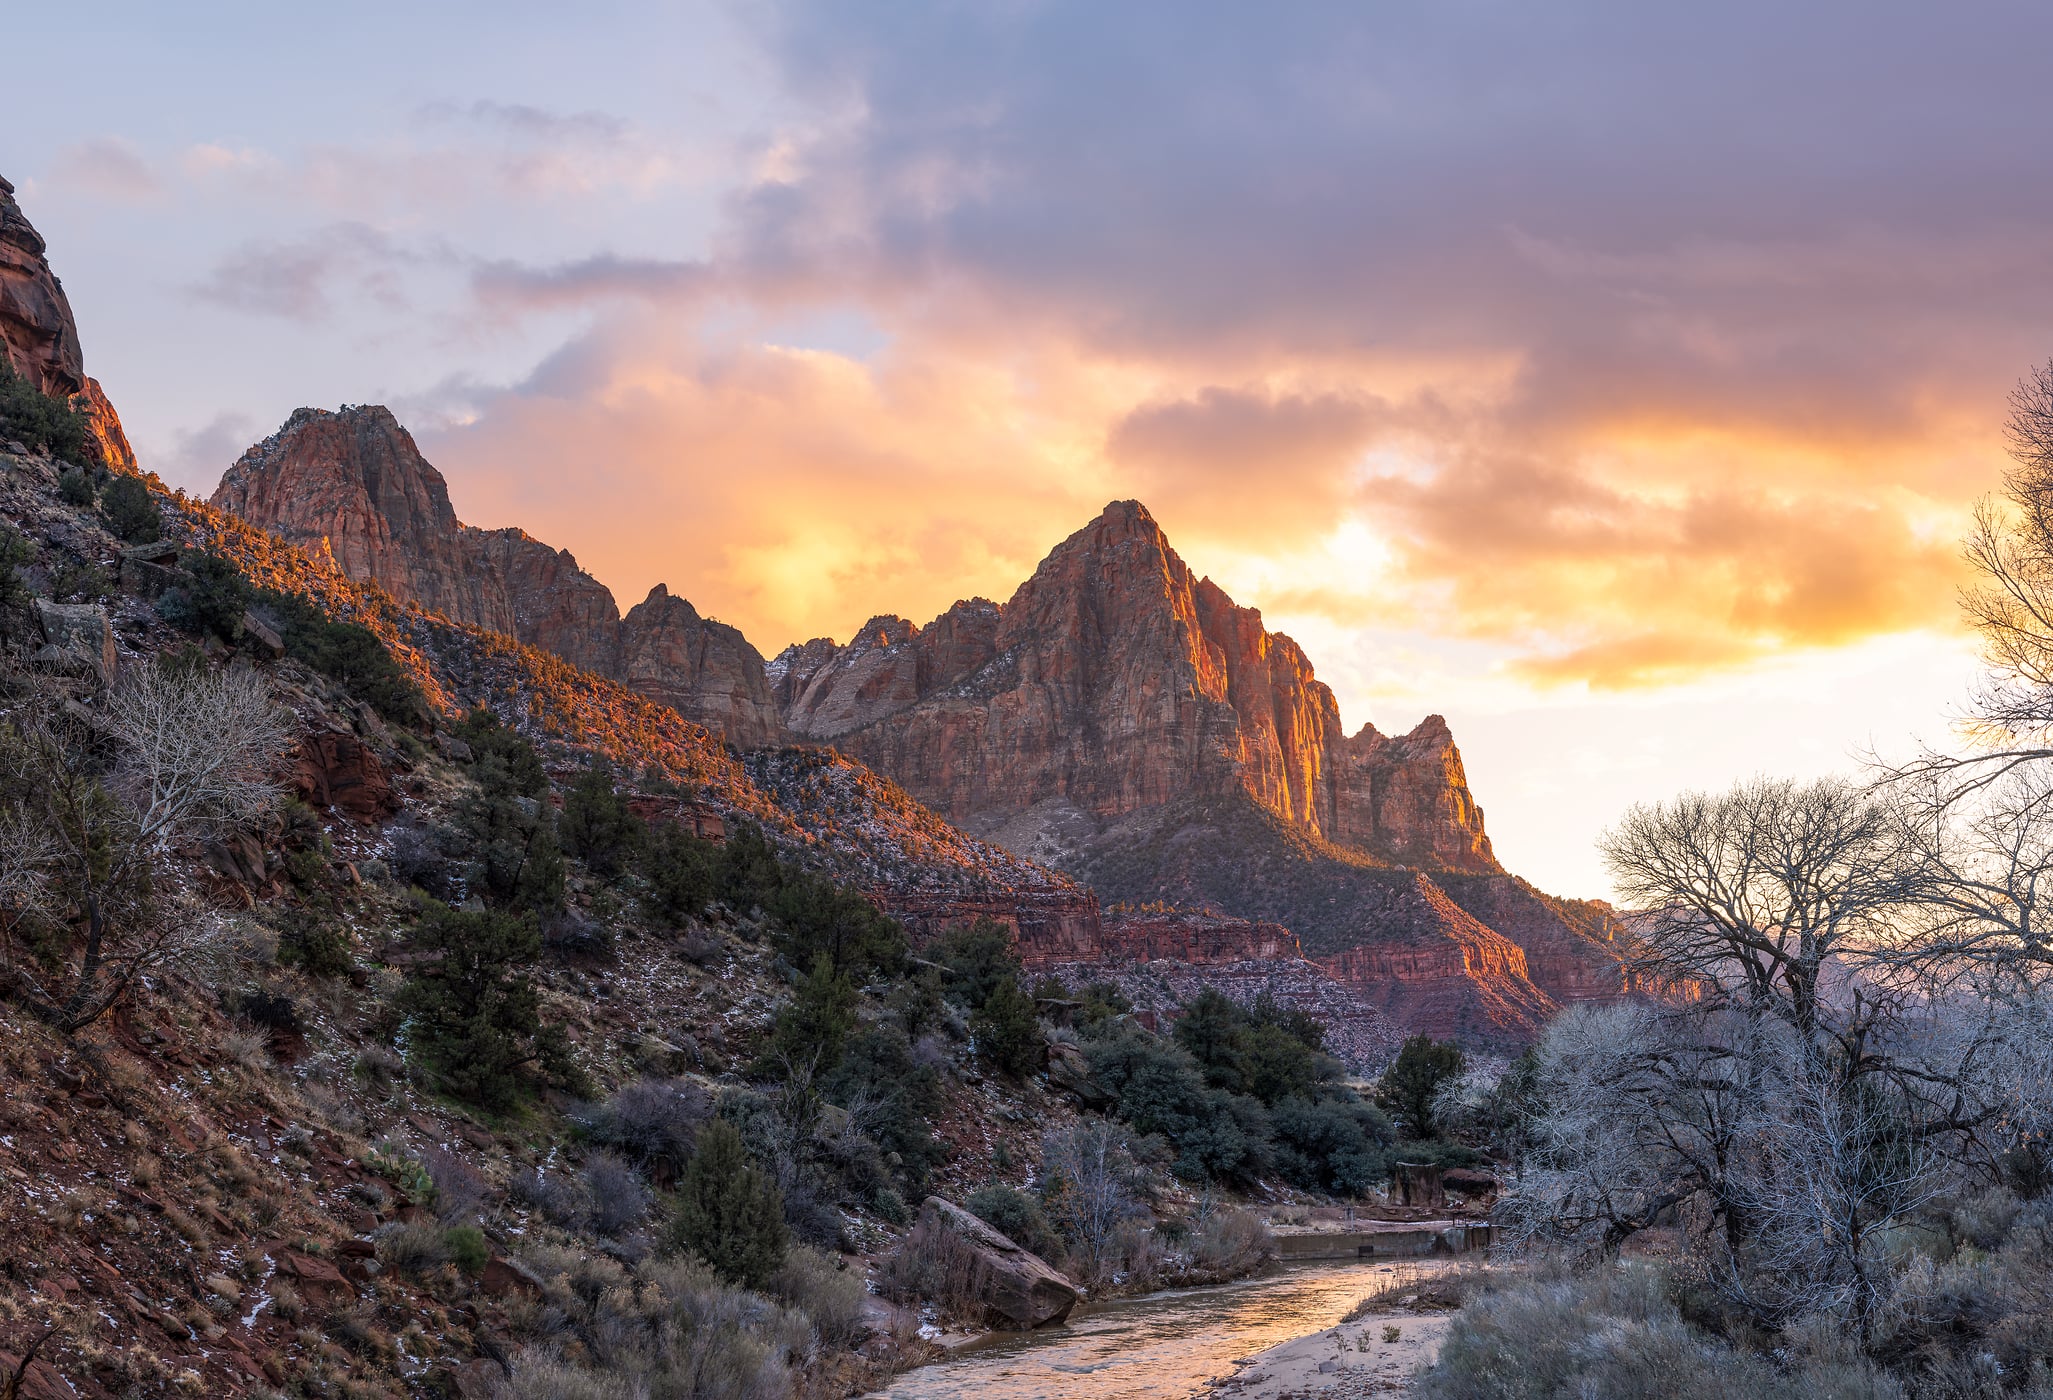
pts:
pixel 353 483
pixel 1114 679
pixel 39 338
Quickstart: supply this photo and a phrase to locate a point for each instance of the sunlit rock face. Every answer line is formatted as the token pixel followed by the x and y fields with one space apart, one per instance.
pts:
pixel 39 337
pixel 354 483
pixel 1113 680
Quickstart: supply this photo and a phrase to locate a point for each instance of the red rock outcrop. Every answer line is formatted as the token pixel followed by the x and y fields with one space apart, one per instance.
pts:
pixel 38 336
pixel 1113 680
pixel 354 483
pixel 335 771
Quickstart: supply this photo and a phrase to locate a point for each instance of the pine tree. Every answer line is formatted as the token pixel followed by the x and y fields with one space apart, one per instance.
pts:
pixel 474 1020
pixel 130 512
pixel 812 1029
pixel 597 826
pixel 1007 1032
pixel 680 873
pixel 728 1213
pixel 1406 1090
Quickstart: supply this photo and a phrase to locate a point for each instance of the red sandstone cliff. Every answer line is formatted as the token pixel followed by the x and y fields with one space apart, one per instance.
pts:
pixel 1125 721
pixel 38 336
pixel 1114 680
pixel 354 483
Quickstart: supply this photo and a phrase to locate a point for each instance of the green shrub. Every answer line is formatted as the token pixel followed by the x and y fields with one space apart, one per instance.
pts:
pixel 749 873
pixel 491 739
pixel 1159 1088
pixel 129 510
pixel 318 946
pixel 1007 1032
pixel 515 861
pixel 348 653
pixel 474 1021
pixel 678 873
pixel 15 551
pixel 818 918
pixel 728 1213
pixel 75 487
pixel 1406 1089
pixel 1331 1145
pixel 36 420
pixel 813 1026
pixel 1018 1217
pixel 974 959
pixel 903 1097
pixel 467 1248
pixel 211 600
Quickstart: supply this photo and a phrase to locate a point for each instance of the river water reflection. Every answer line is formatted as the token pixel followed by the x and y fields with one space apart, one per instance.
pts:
pixel 1161 1347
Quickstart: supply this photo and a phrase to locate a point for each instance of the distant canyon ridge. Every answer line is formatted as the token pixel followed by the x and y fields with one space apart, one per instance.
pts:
pixel 1118 718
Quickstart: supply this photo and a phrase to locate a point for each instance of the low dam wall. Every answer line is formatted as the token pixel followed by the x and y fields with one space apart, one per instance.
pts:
pixel 1392 1241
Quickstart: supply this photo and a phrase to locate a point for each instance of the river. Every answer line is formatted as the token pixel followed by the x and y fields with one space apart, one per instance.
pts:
pixel 1158 1347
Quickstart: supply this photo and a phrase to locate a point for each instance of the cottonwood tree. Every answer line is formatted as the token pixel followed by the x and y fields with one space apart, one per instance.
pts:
pixel 90 806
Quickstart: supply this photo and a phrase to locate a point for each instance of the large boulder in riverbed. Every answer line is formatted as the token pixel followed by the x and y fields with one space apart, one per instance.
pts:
pixel 1011 1286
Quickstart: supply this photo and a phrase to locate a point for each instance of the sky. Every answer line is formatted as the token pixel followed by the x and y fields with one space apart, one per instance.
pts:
pixel 1613 379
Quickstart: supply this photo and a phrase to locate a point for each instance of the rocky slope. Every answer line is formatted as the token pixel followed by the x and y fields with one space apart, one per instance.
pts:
pixel 353 483
pixel 38 336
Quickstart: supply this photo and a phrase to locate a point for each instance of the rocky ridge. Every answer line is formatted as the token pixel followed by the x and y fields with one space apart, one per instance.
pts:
pixel 352 483
pixel 39 338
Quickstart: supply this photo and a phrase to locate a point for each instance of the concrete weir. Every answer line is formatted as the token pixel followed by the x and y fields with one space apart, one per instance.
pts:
pixel 1393 1241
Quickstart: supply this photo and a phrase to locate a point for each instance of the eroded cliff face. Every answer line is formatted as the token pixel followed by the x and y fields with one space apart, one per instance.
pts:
pixel 1113 680
pixel 354 483
pixel 38 336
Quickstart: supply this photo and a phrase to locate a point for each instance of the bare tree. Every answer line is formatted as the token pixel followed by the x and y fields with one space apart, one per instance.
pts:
pixel 1092 1186
pixel 1767 896
pixel 89 807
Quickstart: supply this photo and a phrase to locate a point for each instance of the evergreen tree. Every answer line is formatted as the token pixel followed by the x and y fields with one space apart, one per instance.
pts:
pixel 15 551
pixel 515 859
pixel 42 420
pixel 1007 1032
pixel 1214 1030
pixel 1406 1089
pixel 75 487
pixel 490 738
pixel 750 873
pixel 597 825
pixel 728 1213
pixel 474 1020
pixel 680 872
pixel 817 918
pixel 129 511
pixel 974 960
pixel 812 1028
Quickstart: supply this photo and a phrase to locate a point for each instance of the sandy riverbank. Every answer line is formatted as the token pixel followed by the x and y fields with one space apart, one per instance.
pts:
pixel 1378 1353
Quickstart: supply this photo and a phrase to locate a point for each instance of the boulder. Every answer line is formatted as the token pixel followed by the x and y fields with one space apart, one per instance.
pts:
pixel 1012 1286
pixel 78 630
pixel 1417 1184
pixel 318 1281
pixel 1070 1072
pixel 335 770
pixel 503 1276
pixel 262 635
